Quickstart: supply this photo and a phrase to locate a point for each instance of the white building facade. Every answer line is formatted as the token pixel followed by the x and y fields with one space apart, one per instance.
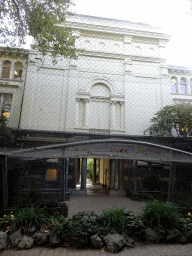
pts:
pixel 116 85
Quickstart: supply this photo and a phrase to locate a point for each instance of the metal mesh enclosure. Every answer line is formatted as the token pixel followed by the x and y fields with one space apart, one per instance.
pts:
pixel 104 100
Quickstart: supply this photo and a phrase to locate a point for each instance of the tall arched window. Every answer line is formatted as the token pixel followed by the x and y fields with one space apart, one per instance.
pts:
pixel 18 70
pixel 173 85
pixel 6 69
pixel 99 117
pixel 191 86
pixel 183 85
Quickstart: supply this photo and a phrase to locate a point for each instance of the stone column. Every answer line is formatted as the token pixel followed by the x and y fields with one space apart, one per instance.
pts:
pixel 94 171
pixel 84 175
pixel 112 123
pixel 77 113
pixel 78 171
pixel 11 76
pixel 112 178
pixel 122 115
pixel 86 120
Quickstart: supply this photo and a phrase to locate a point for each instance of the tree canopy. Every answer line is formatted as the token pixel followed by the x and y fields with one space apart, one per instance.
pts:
pixel 39 19
pixel 172 120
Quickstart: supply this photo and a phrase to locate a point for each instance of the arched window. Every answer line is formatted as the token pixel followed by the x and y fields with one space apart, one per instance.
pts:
pixel 191 86
pixel 173 85
pixel 183 85
pixel 6 69
pixel 18 70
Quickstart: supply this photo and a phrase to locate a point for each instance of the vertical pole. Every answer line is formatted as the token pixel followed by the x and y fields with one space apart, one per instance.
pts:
pixel 5 182
pixel 171 181
pixel 62 181
pixel 134 175
pixel 83 173
pixel 66 172
pixel 121 177
pixel 94 171
pixel 112 176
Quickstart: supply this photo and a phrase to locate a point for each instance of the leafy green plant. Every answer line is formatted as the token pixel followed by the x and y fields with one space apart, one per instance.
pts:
pixel 80 227
pixel 33 196
pixel 30 216
pixel 134 224
pixel 8 220
pixel 175 117
pixel 114 218
pixel 160 216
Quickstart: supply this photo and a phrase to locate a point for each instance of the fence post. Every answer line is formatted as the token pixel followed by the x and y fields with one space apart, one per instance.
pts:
pixel 134 175
pixel 171 181
pixel 62 180
pixel 83 174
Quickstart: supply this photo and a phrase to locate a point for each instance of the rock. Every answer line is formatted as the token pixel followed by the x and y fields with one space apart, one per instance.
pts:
pixel 188 235
pixel 152 235
pixel 96 241
pixel 32 230
pixel 3 240
pixel 128 238
pixel 15 238
pixel 54 241
pixel 26 242
pixel 172 235
pixel 182 239
pixel 129 244
pixel 40 238
pixel 115 242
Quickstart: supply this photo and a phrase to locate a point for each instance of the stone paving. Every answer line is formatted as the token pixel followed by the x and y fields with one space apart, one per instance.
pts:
pixel 139 250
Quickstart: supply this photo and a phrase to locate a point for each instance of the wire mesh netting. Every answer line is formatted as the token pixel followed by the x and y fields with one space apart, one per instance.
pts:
pixel 119 88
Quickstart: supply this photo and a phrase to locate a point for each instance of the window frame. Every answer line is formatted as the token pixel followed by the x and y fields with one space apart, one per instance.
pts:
pixel 175 84
pixel 18 69
pixel 51 180
pixel 6 69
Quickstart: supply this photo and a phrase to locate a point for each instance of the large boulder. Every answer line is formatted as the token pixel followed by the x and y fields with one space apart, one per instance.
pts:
pixel 188 235
pixel 152 236
pixel 3 240
pixel 15 238
pixel 115 242
pixel 130 241
pixel 96 241
pixel 182 239
pixel 54 241
pixel 172 235
pixel 40 238
pixel 26 242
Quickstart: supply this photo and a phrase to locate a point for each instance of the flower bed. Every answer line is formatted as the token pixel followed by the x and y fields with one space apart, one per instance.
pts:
pixel 158 222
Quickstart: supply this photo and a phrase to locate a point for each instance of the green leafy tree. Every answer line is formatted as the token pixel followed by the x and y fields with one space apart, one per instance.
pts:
pixel 172 120
pixel 39 19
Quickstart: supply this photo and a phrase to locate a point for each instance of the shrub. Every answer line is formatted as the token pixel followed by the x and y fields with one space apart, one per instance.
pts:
pixel 160 216
pixel 114 219
pixel 30 216
pixel 134 224
pixel 33 196
pixel 80 227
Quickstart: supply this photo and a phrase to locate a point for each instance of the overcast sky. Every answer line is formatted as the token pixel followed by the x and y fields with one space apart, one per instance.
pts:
pixel 171 15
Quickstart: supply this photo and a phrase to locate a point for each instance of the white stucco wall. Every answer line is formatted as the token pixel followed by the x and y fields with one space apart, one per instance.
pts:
pixel 124 58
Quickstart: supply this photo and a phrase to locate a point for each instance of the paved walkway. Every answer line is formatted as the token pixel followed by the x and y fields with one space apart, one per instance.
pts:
pixel 138 250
